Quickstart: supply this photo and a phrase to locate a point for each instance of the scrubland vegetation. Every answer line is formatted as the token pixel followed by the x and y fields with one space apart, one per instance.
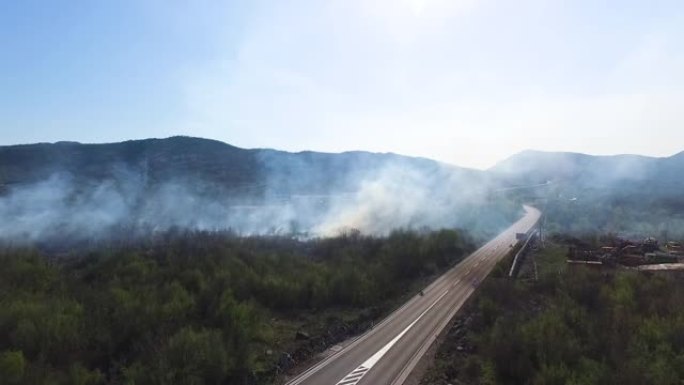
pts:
pixel 572 326
pixel 194 308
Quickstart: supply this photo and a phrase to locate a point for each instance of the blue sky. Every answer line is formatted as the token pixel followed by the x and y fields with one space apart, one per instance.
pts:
pixel 467 82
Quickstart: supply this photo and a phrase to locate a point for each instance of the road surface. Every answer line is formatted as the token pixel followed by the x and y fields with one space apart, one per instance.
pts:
pixel 387 353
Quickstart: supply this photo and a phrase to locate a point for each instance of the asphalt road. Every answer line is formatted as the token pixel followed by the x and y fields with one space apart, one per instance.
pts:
pixel 387 353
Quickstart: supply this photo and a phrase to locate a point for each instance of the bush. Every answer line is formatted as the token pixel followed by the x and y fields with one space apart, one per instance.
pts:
pixel 12 367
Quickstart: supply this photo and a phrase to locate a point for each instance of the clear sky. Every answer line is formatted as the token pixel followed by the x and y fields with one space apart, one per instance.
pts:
pixel 467 82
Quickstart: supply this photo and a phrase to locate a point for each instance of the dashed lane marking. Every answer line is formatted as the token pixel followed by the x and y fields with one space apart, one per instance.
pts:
pixel 354 377
pixel 357 374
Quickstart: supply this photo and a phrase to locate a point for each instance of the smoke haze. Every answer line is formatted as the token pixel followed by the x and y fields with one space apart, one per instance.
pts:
pixel 70 191
pixel 302 198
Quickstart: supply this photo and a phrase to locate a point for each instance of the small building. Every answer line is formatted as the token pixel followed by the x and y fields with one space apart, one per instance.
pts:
pixel 674 248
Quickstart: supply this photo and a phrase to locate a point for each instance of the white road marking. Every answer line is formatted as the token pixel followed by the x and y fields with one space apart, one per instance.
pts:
pixel 357 374
pixel 354 377
pixel 520 226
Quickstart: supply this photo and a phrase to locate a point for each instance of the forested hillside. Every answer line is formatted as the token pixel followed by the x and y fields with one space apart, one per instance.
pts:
pixel 201 308
pixel 575 325
pixel 243 172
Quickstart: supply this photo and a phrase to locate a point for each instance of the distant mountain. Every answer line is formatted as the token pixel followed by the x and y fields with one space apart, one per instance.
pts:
pixel 219 168
pixel 75 190
pixel 542 166
pixel 220 165
pixel 632 173
pixel 151 160
pixel 84 191
pixel 626 194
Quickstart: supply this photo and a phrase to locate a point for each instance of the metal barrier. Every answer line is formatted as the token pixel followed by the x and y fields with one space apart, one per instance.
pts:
pixel 520 254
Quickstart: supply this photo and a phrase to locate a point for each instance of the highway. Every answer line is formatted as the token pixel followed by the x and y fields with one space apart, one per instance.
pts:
pixel 386 354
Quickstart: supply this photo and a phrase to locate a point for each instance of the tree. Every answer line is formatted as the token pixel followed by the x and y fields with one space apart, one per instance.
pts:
pixel 12 367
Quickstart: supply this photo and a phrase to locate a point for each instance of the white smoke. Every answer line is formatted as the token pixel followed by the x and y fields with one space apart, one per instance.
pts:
pixel 375 200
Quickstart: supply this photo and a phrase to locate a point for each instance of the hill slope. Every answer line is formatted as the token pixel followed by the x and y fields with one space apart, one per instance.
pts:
pixel 219 164
pixel 69 189
pixel 90 189
pixel 587 170
pixel 629 194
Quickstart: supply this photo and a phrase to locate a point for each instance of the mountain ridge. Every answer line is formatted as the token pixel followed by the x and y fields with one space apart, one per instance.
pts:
pixel 47 190
pixel 195 183
pixel 191 141
pixel 190 157
pixel 584 168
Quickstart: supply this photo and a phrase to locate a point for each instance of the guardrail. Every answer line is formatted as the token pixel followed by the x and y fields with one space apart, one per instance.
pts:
pixel 517 260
